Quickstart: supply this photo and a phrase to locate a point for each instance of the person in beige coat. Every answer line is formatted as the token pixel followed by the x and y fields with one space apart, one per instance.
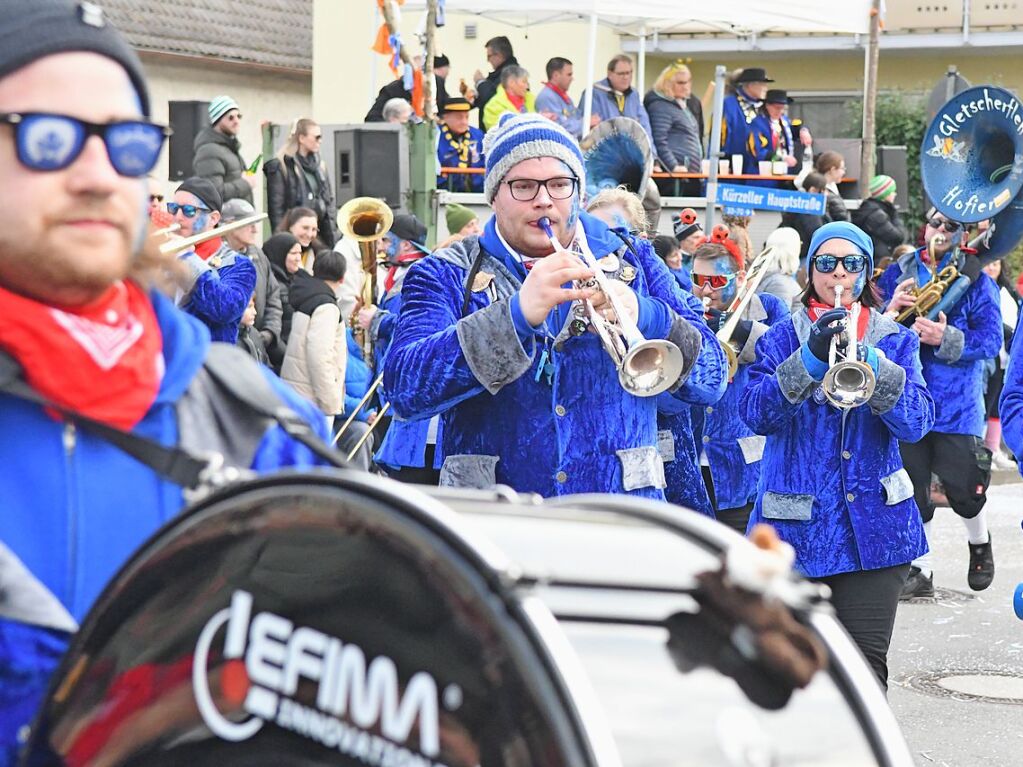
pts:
pixel 317 354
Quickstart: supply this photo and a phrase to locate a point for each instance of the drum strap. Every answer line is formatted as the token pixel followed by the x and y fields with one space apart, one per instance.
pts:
pixel 182 467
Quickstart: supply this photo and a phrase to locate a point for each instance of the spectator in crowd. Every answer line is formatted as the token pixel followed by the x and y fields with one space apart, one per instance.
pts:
pixel 75 505
pixel 499 56
pixel 614 97
pixel 461 220
pixel 776 138
pixel 358 378
pixel 317 348
pixel 249 338
pixel 689 235
pixel 218 152
pixel 620 209
pixel 512 95
pixel 218 280
pixel 303 223
pixel 670 252
pixel 780 280
pixel 677 131
pixel 459 145
pixel 298 177
pixel 553 101
pixel 269 311
pixel 396 90
pixel 831 165
pixel 740 110
pixel 284 253
pixel 156 198
pixel 878 218
pixel 397 111
pixel 806 224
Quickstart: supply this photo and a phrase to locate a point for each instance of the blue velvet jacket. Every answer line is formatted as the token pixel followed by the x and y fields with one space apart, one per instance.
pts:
pixel 832 482
pixel 223 285
pixel 75 508
pixel 1010 405
pixel 954 371
pixel 735 129
pixel 450 155
pixel 733 449
pixel 503 422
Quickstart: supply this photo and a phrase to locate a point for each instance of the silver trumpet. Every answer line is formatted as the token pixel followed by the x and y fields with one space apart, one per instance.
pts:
pixel 645 367
pixel 849 382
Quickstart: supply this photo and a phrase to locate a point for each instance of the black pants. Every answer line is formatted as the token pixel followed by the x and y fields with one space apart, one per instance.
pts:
pixel 865 603
pixel 419 475
pixel 738 518
pixel 961 461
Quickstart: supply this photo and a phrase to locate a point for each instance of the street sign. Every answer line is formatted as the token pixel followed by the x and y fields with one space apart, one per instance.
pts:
pixel 738 200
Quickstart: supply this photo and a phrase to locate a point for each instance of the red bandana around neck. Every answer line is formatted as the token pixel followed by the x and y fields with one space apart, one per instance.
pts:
pixel 816 309
pixel 519 102
pixel 103 360
pixel 556 89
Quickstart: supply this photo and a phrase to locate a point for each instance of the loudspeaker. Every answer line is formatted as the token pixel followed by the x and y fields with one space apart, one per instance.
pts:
pixel 370 160
pixel 849 148
pixel 187 118
pixel 891 161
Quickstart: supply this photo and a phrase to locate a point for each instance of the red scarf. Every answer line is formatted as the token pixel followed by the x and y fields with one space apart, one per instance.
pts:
pixel 207 248
pixel 516 101
pixel 816 309
pixel 556 89
pixel 103 360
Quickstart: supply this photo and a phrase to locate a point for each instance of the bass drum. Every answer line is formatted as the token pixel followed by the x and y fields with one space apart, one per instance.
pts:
pixel 342 619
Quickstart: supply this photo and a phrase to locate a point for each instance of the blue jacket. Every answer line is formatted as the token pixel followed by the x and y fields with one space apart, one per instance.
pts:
pixel 503 422
pixel 358 378
pixel 733 450
pixel 832 482
pixel 568 115
pixel 451 154
pixel 75 507
pixel 761 146
pixel 606 106
pixel 954 371
pixel 221 291
pixel 737 116
pixel 1010 404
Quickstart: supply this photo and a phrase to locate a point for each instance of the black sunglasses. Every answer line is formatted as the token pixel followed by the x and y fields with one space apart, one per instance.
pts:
pixel 826 263
pixel 189 211
pixel 949 226
pixel 50 142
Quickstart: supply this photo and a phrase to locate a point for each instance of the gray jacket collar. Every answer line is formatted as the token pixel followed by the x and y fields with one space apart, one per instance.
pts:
pixel 463 253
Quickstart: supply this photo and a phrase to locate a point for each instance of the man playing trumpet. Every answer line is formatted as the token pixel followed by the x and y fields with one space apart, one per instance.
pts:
pixel 489 335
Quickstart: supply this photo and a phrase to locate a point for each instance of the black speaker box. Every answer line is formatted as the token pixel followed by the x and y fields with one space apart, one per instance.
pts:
pixel 187 118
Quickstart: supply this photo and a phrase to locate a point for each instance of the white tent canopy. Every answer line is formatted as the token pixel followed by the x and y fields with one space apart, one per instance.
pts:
pixel 740 17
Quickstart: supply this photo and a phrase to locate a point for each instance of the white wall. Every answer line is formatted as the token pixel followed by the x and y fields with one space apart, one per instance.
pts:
pixel 261 95
pixel 344 67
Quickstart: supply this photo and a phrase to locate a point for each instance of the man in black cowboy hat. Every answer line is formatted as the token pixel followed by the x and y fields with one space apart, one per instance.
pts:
pixel 740 110
pixel 773 136
pixel 459 145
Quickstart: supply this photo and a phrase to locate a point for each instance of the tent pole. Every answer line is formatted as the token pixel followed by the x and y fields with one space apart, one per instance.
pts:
pixel 641 63
pixel 870 99
pixel 715 145
pixel 590 74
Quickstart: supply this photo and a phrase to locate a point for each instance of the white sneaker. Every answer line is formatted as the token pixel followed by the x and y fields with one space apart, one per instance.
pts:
pixel 1002 461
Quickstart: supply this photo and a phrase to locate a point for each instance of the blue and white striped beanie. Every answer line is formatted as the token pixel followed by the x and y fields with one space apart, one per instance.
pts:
pixel 523 137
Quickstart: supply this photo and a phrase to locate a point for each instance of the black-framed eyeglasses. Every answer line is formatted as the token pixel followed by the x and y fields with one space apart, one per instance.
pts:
pixel 189 211
pixel 948 226
pixel 826 263
pixel 558 188
pixel 46 141
pixel 155 198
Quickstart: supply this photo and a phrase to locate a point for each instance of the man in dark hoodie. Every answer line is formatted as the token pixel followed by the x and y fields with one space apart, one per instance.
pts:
pixel 877 216
pixel 218 151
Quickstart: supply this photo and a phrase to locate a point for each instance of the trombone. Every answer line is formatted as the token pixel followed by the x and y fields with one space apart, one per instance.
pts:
pixel 849 382
pixel 755 275
pixel 358 409
pixel 645 367
pixel 187 243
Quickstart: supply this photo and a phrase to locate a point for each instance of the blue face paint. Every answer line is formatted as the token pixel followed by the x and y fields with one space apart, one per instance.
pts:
pixel 861 282
pixel 619 220
pixel 724 266
pixel 573 215
pixel 393 246
pixel 199 222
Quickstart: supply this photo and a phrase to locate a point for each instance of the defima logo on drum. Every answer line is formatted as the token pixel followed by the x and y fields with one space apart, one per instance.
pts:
pixel 265 657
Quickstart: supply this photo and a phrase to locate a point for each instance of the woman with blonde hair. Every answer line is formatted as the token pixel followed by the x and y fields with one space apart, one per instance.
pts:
pixel 297 177
pixel 618 207
pixel 676 121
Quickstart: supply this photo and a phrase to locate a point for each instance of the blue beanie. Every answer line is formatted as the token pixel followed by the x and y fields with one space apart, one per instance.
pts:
pixel 841 230
pixel 523 137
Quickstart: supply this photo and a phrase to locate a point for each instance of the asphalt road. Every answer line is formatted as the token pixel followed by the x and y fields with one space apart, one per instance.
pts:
pixel 963 632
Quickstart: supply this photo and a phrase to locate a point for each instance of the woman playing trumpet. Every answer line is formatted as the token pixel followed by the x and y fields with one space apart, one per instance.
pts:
pixel 832 481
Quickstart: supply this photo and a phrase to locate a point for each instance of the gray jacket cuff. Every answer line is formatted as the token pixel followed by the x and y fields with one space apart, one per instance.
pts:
pixel 796 384
pixel 194 268
pixel 891 380
pixel 952 342
pixel 689 341
pixel 748 353
pixel 491 347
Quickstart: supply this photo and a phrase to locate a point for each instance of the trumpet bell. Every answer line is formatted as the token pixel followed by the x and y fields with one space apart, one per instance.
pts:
pixel 365 219
pixel 650 367
pixel 849 384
